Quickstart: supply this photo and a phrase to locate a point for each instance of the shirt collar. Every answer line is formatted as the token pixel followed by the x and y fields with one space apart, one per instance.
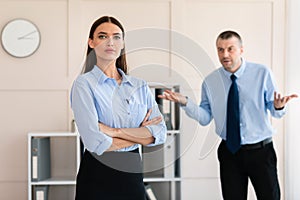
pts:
pixel 238 73
pixel 126 78
pixel 98 73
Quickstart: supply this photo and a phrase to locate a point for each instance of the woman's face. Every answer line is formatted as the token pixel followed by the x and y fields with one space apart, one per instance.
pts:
pixel 107 42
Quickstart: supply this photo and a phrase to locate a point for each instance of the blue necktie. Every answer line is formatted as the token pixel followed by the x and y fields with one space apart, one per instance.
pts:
pixel 233 137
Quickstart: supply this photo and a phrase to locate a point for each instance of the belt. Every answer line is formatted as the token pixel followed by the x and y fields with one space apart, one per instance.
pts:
pixel 258 145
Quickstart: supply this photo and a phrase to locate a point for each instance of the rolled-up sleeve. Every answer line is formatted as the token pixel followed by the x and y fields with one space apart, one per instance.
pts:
pixel 86 118
pixel 158 131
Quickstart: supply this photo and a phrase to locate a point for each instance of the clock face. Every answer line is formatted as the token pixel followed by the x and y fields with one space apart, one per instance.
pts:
pixel 20 38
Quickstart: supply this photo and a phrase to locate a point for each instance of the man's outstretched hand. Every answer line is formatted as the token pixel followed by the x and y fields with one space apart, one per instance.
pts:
pixel 280 102
pixel 173 96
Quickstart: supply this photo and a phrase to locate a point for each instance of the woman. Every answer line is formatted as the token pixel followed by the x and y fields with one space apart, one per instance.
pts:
pixel 114 113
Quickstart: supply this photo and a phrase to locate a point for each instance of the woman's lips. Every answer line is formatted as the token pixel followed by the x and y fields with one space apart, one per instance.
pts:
pixel 110 51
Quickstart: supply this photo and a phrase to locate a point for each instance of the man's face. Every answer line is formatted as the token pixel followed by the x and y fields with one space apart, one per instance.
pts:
pixel 229 52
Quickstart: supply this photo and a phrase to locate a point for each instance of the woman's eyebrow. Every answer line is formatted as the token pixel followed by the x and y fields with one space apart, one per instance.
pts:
pixel 104 33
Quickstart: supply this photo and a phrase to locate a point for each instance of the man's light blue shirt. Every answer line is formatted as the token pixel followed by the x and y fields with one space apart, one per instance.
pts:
pixel 256 93
pixel 96 97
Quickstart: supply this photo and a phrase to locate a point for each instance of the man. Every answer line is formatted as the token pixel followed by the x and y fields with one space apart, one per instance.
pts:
pixel 240 106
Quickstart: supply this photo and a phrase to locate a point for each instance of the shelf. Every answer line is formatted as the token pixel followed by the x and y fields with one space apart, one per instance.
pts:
pixel 56 181
pixel 62 181
pixel 52 134
pixel 161 179
pixel 173 131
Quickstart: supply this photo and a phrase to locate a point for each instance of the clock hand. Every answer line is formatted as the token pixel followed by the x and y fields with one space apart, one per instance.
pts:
pixel 26 35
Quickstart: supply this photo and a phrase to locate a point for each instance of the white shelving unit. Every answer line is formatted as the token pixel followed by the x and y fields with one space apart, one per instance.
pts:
pixel 165 180
pixel 62 145
pixel 163 187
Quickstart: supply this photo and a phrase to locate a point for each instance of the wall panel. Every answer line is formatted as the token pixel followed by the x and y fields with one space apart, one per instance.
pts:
pixel 24 111
pixel 47 68
pixel 202 21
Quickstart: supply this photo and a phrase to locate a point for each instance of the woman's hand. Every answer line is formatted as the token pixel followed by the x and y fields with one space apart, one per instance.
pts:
pixel 154 121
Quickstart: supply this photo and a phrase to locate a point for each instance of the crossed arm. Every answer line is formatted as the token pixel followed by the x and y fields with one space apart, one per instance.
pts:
pixel 125 137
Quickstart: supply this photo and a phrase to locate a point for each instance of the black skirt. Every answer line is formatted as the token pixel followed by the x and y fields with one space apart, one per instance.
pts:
pixel 111 176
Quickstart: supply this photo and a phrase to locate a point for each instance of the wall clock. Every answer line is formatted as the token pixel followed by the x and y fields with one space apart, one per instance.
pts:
pixel 20 38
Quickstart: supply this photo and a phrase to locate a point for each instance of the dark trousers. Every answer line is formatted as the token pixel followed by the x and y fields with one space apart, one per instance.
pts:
pixel 258 165
pixel 111 176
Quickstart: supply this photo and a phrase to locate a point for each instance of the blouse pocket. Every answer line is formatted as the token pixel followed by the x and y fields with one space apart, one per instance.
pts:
pixel 137 113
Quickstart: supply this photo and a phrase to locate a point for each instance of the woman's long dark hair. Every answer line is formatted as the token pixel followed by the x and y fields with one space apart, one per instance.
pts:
pixel 91 59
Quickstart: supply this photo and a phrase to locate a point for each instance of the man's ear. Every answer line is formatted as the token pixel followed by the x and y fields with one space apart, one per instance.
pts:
pixel 242 49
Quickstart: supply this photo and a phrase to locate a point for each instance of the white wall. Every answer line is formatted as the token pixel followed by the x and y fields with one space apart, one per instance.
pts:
pixel 293 86
pixel 260 24
pixel 33 91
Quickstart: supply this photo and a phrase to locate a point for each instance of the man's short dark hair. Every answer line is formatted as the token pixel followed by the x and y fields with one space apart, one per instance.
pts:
pixel 229 34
